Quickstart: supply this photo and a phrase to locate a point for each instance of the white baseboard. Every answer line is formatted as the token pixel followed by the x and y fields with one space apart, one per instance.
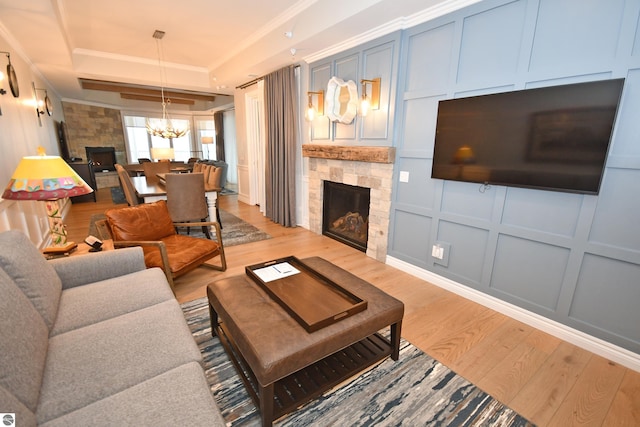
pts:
pixel 595 345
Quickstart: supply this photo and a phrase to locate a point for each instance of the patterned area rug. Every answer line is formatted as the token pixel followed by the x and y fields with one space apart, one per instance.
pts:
pixel 234 230
pixel 414 391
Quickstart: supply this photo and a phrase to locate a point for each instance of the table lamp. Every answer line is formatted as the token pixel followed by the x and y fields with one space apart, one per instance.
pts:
pixel 162 154
pixel 47 178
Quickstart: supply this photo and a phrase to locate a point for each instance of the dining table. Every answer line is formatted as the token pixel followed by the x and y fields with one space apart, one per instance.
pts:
pixel 137 169
pixel 153 191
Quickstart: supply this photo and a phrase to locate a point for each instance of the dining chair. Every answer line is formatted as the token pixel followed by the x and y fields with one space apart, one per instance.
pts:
pixel 150 226
pixel 212 178
pixel 152 169
pixel 127 186
pixel 186 199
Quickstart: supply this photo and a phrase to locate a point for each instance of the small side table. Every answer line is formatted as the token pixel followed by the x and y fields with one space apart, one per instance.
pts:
pixel 81 249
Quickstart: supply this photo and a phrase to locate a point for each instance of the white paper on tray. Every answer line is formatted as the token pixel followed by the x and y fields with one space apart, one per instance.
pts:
pixel 276 271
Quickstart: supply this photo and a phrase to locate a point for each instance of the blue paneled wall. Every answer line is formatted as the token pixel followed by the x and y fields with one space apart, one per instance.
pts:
pixel 572 258
pixel 569 257
pixel 377 59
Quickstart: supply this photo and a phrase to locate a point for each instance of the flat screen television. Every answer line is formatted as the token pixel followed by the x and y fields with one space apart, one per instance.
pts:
pixel 553 138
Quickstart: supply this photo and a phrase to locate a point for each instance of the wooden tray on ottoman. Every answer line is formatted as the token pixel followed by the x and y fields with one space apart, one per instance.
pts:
pixel 309 297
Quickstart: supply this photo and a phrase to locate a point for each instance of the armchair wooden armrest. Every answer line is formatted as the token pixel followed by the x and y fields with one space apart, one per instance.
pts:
pixel 104 232
pixel 218 230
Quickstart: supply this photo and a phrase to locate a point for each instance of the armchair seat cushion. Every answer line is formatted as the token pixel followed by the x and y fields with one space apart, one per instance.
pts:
pixel 185 253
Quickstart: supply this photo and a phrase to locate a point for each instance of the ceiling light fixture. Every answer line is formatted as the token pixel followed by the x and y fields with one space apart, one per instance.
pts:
pixel 164 127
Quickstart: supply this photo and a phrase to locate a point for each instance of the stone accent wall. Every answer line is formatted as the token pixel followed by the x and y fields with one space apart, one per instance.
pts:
pixel 376 176
pixel 92 126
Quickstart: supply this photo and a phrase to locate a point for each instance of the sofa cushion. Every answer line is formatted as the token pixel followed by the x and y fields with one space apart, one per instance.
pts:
pixel 177 397
pixel 85 305
pixel 26 266
pixel 91 363
pixel 149 221
pixel 23 339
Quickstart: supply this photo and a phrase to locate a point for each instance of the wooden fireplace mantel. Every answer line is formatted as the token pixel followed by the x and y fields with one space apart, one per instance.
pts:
pixel 354 153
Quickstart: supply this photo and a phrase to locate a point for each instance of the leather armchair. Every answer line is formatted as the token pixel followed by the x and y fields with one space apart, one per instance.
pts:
pixel 149 225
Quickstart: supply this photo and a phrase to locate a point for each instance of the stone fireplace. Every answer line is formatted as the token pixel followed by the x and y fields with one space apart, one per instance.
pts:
pixel 345 213
pixel 369 167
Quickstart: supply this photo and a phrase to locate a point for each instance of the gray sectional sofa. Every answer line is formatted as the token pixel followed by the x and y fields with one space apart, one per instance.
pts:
pixel 94 340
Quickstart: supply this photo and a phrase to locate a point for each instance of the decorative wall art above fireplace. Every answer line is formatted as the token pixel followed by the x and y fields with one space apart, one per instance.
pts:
pixel 342 100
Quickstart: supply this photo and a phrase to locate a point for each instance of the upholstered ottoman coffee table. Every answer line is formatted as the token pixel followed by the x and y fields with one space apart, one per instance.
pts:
pixel 281 363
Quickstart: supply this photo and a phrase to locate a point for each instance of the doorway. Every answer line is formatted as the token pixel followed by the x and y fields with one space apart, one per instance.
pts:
pixel 254 104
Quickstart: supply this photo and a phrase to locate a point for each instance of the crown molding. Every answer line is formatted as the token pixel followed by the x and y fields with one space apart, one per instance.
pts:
pixel 401 23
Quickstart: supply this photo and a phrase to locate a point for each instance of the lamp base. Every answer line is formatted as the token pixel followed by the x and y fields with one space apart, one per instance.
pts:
pixel 70 246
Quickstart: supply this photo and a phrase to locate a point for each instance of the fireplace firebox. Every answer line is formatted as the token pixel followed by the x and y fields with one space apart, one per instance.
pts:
pixel 345 214
pixel 103 159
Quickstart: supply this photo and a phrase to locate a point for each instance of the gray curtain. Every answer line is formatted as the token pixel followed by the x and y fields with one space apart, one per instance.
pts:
pixel 218 123
pixel 281 123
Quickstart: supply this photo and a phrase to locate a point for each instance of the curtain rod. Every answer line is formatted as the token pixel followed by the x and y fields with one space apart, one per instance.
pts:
pixel 256 80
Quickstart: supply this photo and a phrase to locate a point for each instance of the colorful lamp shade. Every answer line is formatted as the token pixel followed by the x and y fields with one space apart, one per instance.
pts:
pixel 47 178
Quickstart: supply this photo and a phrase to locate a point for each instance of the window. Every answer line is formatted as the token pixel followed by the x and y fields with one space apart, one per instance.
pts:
pixel 206 128
pixel 139 142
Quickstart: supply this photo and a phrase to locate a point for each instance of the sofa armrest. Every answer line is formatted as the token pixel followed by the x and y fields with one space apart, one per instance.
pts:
pixel 89 268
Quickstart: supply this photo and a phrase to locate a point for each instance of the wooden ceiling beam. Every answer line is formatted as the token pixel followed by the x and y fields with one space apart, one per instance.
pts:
pixel 158 98
pixel 141 90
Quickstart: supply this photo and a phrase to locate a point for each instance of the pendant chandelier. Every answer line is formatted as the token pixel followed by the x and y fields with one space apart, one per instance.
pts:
pixel 164 127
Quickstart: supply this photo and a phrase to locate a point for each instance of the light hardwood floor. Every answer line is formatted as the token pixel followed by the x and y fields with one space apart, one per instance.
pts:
pixel 547 380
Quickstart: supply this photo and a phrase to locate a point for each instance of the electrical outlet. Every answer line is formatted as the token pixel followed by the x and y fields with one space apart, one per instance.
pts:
pixel 440 253
pixel 437 251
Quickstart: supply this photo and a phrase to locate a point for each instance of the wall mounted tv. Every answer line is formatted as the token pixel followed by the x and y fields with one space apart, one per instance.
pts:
pixel 553 138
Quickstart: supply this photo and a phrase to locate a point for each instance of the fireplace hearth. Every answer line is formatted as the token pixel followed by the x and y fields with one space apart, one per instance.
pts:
pixel 345 214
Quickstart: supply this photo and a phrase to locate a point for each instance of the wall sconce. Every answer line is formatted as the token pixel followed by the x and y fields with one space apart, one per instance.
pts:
pixel 11 75
pixel 42 105
pixel 370 102
pixel 312 111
